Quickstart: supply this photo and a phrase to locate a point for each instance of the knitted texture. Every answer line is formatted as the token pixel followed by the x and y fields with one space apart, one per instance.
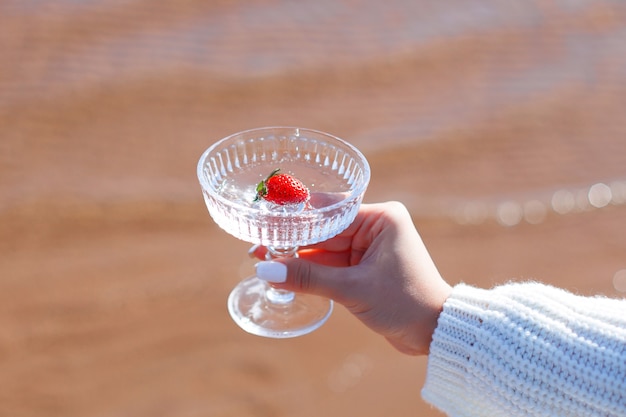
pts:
pixel 528 349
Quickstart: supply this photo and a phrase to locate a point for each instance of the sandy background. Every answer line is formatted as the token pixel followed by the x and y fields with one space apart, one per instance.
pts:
pixel 113 277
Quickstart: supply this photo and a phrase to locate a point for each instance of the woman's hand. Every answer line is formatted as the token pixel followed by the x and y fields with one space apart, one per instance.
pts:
pixel 378 268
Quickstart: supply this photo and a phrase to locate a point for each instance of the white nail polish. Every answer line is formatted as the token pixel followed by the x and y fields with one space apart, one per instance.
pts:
pixel 271 271
pixel 252 250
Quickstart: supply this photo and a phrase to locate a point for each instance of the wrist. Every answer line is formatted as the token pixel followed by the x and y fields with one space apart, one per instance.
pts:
pixel 418 335
pixel 438 300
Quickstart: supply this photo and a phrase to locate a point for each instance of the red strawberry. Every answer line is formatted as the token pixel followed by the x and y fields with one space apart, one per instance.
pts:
pixel 282 189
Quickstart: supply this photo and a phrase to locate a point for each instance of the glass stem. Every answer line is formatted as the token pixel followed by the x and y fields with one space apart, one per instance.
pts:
pixel 274 295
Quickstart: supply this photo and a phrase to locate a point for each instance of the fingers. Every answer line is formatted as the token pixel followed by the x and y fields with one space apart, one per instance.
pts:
pixel 301 275
pixel 340 243
pixel 257 251
pixel 313 254
pixel 320 256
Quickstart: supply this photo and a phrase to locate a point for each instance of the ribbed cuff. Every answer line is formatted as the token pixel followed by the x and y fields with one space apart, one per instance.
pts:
pixel 451 350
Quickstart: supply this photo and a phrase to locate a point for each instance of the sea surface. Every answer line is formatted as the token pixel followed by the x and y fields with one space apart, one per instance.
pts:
pixel 499 124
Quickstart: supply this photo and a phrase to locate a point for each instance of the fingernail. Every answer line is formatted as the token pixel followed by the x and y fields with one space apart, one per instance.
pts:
pixel 252 250
pixel 271 271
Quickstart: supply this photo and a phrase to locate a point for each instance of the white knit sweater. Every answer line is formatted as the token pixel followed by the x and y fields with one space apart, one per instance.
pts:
pixel 528 350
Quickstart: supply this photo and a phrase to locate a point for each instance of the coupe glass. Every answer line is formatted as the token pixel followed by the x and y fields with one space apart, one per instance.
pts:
pixel 336 174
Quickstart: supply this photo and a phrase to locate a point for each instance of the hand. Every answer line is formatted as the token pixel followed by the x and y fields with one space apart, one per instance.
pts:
pixel 379 269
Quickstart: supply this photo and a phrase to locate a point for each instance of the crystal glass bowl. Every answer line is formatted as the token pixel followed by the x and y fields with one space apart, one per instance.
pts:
pixel 336 174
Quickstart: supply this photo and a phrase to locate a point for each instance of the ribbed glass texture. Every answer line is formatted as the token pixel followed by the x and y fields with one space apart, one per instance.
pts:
pixel 335 172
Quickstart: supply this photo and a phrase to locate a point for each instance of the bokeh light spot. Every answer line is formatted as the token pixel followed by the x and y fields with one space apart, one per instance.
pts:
pixel 509 213
pixel 563 202
pixel 599 195
pixel 618 192
pixel 535 211
pixel 619 280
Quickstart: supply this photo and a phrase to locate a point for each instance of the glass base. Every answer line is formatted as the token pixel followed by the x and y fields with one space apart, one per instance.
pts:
pixel 261 310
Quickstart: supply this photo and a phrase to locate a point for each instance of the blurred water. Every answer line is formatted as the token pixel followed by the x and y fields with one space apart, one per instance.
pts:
pixel 500 125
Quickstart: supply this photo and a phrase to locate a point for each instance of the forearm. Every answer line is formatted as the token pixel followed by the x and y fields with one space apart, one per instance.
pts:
pixel 528 349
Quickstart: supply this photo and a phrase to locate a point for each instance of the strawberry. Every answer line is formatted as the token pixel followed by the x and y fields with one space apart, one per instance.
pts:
pixel 282 189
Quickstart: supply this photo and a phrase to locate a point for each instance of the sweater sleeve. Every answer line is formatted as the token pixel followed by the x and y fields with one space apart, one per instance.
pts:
pixel 528 349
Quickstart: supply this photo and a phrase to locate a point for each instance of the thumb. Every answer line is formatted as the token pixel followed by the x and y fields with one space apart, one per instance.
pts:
pixel 300 275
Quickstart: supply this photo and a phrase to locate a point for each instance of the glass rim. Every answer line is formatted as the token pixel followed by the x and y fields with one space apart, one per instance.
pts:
pixel 355 193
